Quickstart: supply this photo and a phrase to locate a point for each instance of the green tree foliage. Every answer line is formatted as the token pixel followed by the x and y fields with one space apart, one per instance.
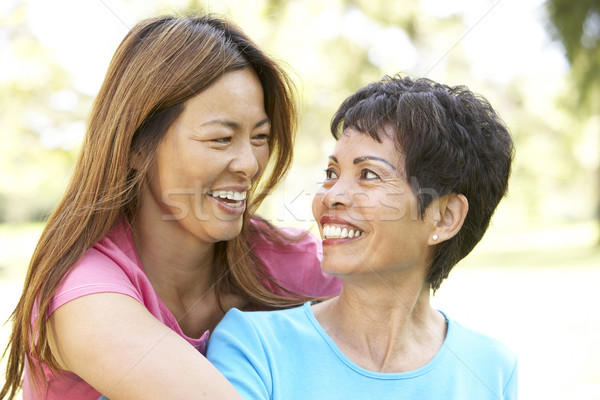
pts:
pixel 576 24
pixel 333 48
pixel 41 119
pixel 330 48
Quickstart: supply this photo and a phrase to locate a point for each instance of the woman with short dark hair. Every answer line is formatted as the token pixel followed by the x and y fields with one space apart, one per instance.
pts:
pixel 411 186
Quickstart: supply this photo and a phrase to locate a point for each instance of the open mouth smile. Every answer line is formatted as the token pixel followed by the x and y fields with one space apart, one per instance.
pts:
pixel 231 198
pixel 340 232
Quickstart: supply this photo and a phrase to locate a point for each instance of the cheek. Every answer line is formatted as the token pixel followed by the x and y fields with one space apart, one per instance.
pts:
pixel 262 158
pixel 317 203
pixel 394 207
pixel 165 172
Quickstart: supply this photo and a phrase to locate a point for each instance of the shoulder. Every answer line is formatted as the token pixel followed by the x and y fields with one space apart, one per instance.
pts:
pixel 264 323
pixel 483 359
pixel 258 334
pixel 259 329
pixel 108 266
pixel 293 259
pixel 267 238
pixel 253 350
pixel 112 256
pixel 481 351
pixel 480 341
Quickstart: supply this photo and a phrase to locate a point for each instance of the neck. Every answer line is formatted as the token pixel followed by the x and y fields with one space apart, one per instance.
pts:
pixel 181 273
pixel 384 329
pixel 171 259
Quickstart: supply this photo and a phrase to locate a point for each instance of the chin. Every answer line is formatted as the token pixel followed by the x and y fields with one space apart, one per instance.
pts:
pixel 331 269
pixel 228 232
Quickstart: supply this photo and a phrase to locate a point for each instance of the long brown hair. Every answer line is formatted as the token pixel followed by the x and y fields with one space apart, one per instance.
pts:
pixel 160 64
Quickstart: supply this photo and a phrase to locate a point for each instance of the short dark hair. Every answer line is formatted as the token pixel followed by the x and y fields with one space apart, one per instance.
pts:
pixel 452 140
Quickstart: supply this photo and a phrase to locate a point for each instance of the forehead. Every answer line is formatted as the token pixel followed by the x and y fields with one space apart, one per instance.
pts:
pixel 353 143
pixel 238 83
pixel 235 96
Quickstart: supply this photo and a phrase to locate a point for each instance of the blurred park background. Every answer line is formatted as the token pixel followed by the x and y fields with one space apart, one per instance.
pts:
pixel 532 282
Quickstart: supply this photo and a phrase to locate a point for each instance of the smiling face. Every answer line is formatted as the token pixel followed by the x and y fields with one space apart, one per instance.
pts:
pixel 367 212
pixel 209 158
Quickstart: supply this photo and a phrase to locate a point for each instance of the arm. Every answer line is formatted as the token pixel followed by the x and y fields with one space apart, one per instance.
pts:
pixel 236 349
pixel 112 342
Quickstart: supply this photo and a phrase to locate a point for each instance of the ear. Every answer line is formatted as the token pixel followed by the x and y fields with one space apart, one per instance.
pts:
pixel 453 211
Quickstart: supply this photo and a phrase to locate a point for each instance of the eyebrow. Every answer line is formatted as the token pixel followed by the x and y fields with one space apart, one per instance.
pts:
pixel 232 124
pixel 366 158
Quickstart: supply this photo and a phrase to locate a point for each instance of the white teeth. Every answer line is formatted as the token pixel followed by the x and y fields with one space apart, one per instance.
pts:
pixel 337 232
pixel 230 195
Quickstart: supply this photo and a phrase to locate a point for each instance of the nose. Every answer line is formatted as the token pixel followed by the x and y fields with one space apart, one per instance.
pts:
pixel 244 160
pixel 337 195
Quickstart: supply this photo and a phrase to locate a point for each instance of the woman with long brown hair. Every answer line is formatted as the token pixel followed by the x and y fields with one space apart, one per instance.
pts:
pixel 156 236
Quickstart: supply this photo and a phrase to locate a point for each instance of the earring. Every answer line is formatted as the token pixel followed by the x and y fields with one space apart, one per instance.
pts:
pixel 435 237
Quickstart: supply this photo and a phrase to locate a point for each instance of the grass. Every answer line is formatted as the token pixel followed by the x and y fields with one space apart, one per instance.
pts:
pixel 535 289
pixel 17 242
pixel 554 246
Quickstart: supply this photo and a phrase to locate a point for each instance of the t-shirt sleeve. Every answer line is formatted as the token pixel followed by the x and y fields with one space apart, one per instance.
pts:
pixel 296 265
pixel 511 389
pixel 95 273
pixel 235 349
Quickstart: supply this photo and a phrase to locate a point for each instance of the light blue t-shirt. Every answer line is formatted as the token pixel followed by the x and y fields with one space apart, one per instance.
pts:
pixel 286 355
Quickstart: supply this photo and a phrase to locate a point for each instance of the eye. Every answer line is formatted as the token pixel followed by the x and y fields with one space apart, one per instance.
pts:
pixel 260 139
pixel 222 140
pixel 330 174
pixel 368 174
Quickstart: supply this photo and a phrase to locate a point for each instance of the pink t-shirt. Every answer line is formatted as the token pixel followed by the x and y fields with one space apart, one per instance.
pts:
pixel 112 265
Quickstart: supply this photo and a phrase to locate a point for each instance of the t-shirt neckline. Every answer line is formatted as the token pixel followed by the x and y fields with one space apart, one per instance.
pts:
pixel 383 375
